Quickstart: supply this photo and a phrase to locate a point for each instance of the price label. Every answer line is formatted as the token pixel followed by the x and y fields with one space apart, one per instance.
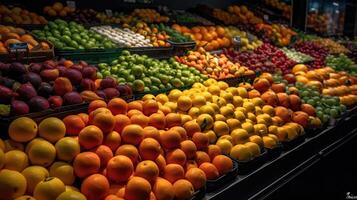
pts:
pixel 266 17
pixel 251 37
pixel 237 41
pixel 109 12
pixel 18 47
pixel 130 1
pixel 71 4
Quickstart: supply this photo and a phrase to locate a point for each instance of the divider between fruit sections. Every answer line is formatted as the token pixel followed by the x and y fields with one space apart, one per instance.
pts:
pixel 95 56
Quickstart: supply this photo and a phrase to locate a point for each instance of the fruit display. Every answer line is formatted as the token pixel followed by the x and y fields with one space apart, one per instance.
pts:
pixel 157 38
pixel 208 37
pixel 280 5
pixel 123 37
pixel 313 49
pixel 174 35
pixel 311 100
pixel 317 22
pixel 71 35
pixel 17 15
pixel 332 46
pixel 326 107
pixel 276 33
pixel 216 67
pixel 116 155
pixel 41 86
pixel 12 35
pixel 141 102
pixel 296 56
pixel 266 58
pixel 329 82
pixel 146 74
pixel 244 15
pixel 240 124
pixel 58 10
pixel 149 15
pixel 247 40
pixel 342 63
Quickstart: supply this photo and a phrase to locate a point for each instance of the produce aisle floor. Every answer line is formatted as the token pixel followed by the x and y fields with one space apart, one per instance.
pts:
pixel 319 167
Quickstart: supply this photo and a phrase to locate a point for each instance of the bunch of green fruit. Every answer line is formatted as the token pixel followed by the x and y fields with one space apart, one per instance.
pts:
pixel 174 35
pixel 146 74
pixel 296 56
pixel 342 63
pixel 71 35
pixel 327 107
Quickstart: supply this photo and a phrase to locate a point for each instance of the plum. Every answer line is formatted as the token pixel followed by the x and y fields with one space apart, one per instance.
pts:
pixel 71 98
pixel 16 70
pixel 107 83
pixel 19 107
pixel 55 101
pixel 87 84
pixel 111 93
pixel 6 94
pixel 62 70
pixel 33 78
pixel 74 76
pixel 7 82
pixel 35 67
pixel 4 68
pixel 89 72
pixel 77 67
pixel 26 91
pixel 101 93
pixel 45 89
pixel 38 103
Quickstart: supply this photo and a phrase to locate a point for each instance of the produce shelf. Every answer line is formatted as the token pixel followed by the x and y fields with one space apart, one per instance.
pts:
pixel 262 182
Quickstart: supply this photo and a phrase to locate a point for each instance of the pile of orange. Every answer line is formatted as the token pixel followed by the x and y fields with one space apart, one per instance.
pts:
pixel 17 15
pixel 215 66
pixel 244 15
pixel 120 150
pixel 208 37
pixel 58 9
pixel 12 35
pixel 149 15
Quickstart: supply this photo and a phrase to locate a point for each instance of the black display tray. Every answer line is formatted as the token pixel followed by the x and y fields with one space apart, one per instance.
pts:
pixel 213 185
pixel 248 166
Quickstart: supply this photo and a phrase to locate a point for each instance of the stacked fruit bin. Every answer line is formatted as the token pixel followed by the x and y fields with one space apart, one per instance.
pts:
pixel 131 126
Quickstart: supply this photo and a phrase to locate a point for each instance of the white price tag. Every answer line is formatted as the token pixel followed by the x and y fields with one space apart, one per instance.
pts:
pixel 109 12
pixel 71 4
pixel 266 17
pixel 237 41
pixel 130 1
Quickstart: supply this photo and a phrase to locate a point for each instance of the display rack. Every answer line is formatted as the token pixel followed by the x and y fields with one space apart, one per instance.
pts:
pixel 264 181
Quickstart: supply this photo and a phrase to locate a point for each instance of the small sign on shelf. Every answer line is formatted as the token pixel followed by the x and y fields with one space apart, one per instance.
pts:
pixel 71 4
pixel 109 12
pixel 18 47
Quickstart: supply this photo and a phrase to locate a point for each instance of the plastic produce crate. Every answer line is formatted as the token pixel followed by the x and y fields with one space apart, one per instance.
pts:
pixel 29 56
